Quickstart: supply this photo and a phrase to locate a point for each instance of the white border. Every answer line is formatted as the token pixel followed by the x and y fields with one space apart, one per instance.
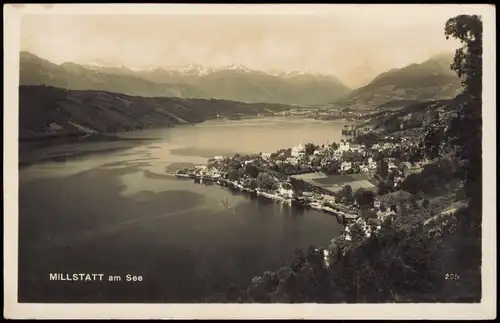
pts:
pixel 485 310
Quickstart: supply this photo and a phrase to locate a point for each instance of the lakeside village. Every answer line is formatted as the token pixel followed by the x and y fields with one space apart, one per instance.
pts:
pixel 343 179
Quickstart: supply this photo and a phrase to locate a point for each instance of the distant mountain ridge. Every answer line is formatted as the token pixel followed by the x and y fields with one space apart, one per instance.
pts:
pixel 37 71
pixel 431 80
pixel 234 82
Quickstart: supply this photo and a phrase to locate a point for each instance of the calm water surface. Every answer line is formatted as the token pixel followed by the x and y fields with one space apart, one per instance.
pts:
pixel 120 213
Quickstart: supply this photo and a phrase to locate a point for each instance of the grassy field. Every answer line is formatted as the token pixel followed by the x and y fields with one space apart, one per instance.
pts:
pixel 336 182
pixel 341 179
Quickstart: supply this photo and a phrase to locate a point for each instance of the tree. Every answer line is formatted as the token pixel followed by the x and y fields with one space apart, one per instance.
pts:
pixel 333 167
pixel 369 214
pixel 382 168
pixel 357 232
pixel 415 155
pixel 434 139
pixel 384 187
pixel 254 183
pixel 346 194
pixel 251 170
pixel 413 201
pixel 234 175
pixel 266 181
pixel 316 162
pixel 235 164
pixel 310 148
pixel 364 198
pixel 425 203
pixel 465 128
pixel 353 156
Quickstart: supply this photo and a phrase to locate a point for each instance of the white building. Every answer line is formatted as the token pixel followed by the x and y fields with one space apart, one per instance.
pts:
pixel 218 158
pixel 344 146
pixel 338 153
pixel 388 145
pixel 345 166
pixel 354 147
pixel 292 160
pixel 266 156
pixel 286 193
pixel 298 151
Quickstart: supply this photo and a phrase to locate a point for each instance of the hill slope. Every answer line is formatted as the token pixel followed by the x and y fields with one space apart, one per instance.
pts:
pixel 45 111
pixel 430 80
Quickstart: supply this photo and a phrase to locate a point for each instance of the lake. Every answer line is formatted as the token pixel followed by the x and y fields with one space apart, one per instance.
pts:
pixel 120 213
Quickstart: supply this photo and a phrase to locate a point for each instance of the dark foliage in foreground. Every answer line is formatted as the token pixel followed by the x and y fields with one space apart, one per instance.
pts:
pixel 396 265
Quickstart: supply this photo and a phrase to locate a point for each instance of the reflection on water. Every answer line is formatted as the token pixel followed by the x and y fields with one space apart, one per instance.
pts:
pixel 122 212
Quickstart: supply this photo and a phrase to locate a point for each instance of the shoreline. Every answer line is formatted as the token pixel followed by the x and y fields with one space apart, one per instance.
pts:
pixel 62 152
pixel 341 216
pixel 47 147
pixel 52 139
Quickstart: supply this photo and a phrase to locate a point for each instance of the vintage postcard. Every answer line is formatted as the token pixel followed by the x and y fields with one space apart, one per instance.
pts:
pixel 249 161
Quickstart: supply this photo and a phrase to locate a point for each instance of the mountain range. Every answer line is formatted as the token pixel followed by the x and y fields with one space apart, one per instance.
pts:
pixel 234 82
pixel 432 79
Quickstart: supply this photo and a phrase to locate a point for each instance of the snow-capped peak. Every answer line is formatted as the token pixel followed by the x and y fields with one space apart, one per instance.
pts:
pixel 290 74
pixel 193 69
pixel 104 65
pixel 297 73
pixel 148 68
pixel 237 67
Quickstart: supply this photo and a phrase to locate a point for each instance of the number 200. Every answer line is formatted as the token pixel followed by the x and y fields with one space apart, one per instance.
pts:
pixel 451 276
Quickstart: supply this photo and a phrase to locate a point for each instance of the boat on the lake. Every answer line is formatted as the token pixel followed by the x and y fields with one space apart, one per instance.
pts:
pixel 227 205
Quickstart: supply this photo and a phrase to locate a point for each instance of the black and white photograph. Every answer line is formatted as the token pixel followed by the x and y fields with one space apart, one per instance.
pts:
pixel 166 155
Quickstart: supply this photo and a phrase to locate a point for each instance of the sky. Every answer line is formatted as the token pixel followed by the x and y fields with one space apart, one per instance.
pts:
pixel 353 43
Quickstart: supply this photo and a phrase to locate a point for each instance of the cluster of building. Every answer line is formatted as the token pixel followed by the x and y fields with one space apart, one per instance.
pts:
pixel 320 114
pixel 325 154
pixel 282 191
pixel 217 170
